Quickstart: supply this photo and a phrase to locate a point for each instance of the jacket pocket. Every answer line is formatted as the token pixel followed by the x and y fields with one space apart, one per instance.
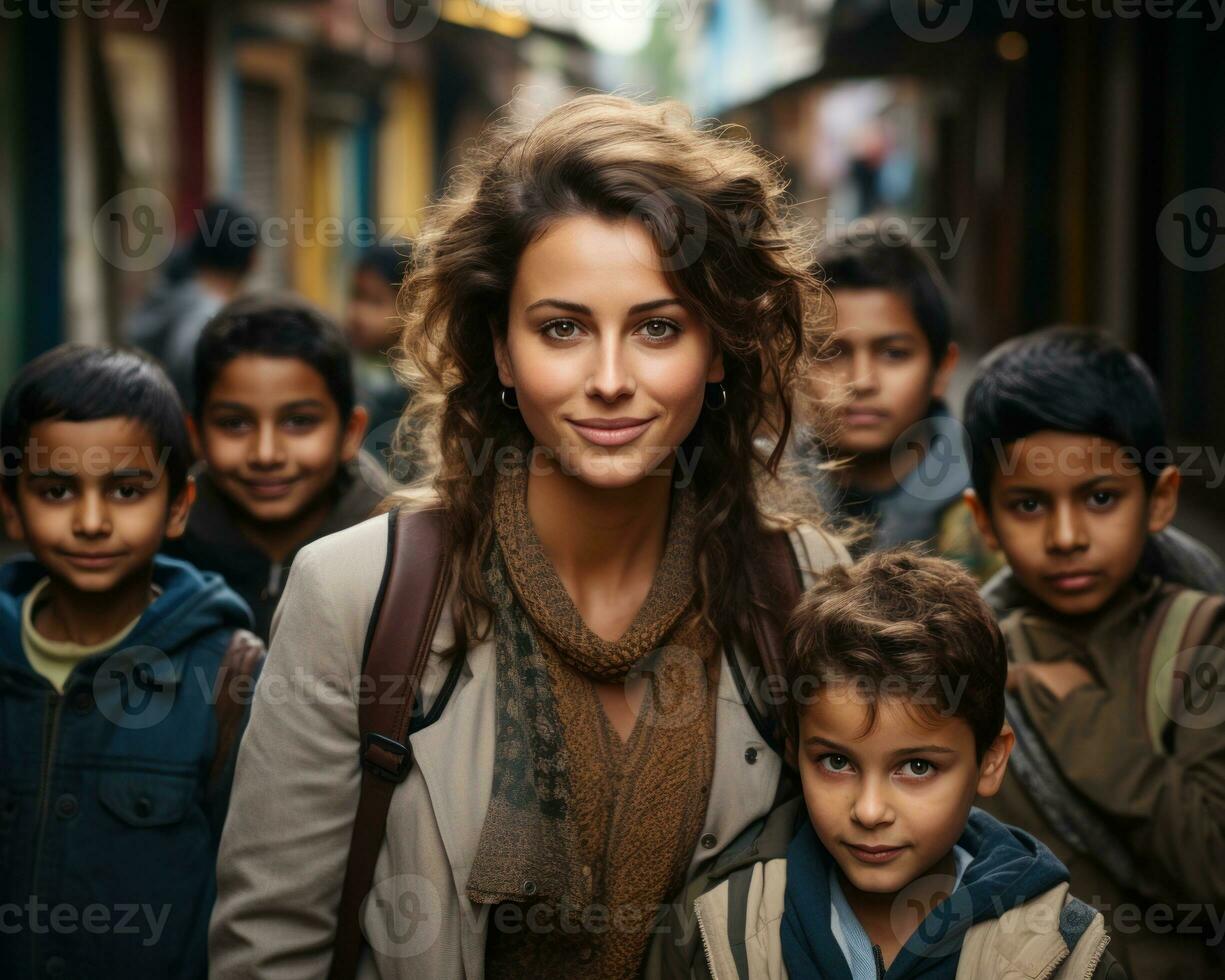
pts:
pixel 142 799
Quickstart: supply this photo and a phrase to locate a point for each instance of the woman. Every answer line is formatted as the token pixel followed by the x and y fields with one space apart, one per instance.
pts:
pixel 608 307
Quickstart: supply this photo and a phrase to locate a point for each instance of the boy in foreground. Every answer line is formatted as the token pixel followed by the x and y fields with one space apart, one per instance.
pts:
pixel 1115 692
pixel 119 720
pixel 895 716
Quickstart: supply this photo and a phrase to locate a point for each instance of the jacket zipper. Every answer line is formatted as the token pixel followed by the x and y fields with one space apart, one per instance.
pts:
pixel 880 962
pixel 1096 958
pixel 710 963
pixel 51 731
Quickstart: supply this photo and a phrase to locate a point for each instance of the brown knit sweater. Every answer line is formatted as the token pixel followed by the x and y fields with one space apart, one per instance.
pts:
pixel 636 808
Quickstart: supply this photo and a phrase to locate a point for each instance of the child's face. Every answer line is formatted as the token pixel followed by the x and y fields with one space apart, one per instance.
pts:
pixel 273 436
pixel 92 501
pixel 1071 514
pixel 371 322
pixel 889 803
pixel 878 370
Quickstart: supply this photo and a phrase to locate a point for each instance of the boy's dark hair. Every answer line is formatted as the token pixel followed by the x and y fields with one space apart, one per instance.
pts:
pixel 391 262
pixel 275 325
pixel 870 259
pixel 900 623
pixel 77 382
pixel 1068 379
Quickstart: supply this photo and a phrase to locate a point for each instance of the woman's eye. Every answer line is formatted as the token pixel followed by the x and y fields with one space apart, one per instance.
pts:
pixel 561 329
pixel 834 763
pixel 918 768
pixel 657 330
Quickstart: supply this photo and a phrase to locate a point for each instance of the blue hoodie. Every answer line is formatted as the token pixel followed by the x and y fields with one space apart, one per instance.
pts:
pixel 108 823
pixel 1008 867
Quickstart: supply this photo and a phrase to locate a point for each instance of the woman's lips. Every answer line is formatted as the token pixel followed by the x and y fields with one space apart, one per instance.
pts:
pixel 875 855
pixel 604 435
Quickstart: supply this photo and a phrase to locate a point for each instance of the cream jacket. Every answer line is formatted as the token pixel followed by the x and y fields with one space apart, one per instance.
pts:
pixel 286 838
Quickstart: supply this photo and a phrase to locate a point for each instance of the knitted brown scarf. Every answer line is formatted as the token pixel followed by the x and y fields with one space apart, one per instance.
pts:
pixel 587 835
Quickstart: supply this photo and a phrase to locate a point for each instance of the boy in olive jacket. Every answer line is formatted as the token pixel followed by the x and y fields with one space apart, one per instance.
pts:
pixel 1114 685
pixel 895 681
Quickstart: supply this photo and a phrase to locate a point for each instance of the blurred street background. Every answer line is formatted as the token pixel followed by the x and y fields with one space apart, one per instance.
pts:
pixel 1062 160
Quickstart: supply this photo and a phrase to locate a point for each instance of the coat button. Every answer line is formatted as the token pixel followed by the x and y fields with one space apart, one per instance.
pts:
pixel 708 841
pixel 55 966
pixel 750 755
pixel 82 701
pixel 529 887
pixel 144 807
pixel 66 806
pixel 586 953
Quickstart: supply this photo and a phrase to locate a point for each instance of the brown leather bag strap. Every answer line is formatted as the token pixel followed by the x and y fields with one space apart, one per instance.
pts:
pixel 414 586
pixel 241 661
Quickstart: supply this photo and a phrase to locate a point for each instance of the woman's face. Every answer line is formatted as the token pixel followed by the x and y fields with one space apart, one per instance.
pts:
pixel 609 369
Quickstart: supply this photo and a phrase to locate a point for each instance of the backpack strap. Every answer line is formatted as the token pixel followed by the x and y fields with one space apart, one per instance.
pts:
pixel 1181 623
pixel 415 583
pixel 242 659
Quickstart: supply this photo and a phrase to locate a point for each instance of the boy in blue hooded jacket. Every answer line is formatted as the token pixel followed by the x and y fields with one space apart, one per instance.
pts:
pixel 114 765
pixel 884 868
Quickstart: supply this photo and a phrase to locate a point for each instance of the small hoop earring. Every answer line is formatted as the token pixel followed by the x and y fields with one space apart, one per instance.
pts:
pixel 512 402
pixel 720 399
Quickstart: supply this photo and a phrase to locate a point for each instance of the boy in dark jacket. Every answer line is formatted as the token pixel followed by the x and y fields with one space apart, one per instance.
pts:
pixel 1114 697
pixel 895 716
pixel 280 434
pixel 115 762
pixel 901 472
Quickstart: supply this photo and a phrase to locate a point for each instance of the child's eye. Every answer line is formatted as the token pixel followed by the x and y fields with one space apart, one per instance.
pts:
pixel 561 330
pixel 55 492
pixel 896 354
pixel 664 326
pixel 1101 499
pixel 231 423
pixel 128 491
pixel 918 768
pixel 834 763
pixel 301 421
pixel 1026 505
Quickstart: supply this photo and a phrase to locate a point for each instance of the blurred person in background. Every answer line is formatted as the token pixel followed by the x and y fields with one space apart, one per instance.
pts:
pixel 900 469
pixel 197 282
pixel 373 326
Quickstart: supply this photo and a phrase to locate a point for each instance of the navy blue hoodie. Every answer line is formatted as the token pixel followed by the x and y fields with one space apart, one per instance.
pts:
pixel 108 823
pixel 1008 867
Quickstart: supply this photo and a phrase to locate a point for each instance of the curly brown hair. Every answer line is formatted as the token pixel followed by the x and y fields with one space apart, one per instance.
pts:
pixel 749 280
pixel 901 623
